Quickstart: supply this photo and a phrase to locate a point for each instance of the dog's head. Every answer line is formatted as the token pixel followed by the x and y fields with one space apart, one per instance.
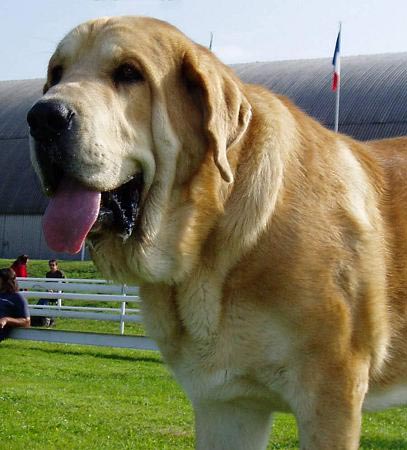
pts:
pixel 132 141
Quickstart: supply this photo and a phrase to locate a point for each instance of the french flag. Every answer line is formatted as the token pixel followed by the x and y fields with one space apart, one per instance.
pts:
pixel 336 62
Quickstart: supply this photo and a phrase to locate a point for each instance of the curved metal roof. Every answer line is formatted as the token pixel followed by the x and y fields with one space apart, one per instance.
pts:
pixel 20 192
pixel 373 91
pixel 373 105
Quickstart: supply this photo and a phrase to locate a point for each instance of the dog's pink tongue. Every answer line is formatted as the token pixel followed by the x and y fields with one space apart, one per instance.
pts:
pixel 69 216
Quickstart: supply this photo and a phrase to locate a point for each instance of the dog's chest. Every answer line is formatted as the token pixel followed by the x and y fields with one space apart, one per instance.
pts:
pixel 213 347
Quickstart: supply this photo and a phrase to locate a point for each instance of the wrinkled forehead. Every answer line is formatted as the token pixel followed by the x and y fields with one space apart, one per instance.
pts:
pixel 113 39
pixel 100 38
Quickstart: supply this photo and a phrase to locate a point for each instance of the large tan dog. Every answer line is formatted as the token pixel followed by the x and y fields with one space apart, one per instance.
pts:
pixel 270 252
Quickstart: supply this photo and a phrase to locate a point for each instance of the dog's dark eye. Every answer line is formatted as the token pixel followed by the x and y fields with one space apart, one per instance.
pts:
pixel 56 75
pixel 127 73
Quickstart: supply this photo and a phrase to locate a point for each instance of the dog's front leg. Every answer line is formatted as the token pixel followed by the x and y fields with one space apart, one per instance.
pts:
pixel 234 425
pixel 329 408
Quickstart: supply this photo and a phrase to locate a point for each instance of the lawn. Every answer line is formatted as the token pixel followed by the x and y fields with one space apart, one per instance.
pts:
pixel 55 396
pixel 61 396
pixel 72 269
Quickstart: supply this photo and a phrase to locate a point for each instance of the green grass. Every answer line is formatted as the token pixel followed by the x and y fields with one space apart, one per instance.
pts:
pixel 60 396
pixel 55 396
pixel 72 269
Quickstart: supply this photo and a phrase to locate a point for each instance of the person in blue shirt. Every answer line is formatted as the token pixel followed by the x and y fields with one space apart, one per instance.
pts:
pixel 13 306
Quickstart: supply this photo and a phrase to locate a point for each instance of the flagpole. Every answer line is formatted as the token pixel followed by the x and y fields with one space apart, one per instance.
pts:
pixel 211 42
pixel 338 89
pixel 338 94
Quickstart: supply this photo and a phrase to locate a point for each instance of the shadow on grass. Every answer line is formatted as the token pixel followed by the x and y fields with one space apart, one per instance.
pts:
pixel 383 444
pixel 92 352
pixel 366 443
pixel 284 444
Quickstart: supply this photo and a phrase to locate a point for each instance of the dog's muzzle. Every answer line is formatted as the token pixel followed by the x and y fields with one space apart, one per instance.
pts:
pixel 75 209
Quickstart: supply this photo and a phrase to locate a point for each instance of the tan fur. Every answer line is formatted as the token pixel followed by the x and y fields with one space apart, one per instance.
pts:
pixel 272 252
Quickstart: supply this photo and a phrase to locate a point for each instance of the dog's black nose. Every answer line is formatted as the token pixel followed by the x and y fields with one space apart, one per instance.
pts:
pixel 49 119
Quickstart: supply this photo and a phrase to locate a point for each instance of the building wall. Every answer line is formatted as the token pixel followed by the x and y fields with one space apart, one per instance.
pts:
pixel 22 234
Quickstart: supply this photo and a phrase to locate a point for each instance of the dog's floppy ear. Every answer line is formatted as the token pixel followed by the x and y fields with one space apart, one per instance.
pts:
pixel 226 111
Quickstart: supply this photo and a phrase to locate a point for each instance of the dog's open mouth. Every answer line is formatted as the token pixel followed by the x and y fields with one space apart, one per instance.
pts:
pixel 119 209
pixel 75 211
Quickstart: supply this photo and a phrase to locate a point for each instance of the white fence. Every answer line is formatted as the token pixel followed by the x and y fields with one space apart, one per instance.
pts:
pixel 82 290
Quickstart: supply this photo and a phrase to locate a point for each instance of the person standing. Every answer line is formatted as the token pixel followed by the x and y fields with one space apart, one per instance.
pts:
pixel 14 310
pixel 20 266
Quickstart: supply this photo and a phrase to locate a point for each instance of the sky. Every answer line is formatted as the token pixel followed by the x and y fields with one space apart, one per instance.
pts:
pixel 244 31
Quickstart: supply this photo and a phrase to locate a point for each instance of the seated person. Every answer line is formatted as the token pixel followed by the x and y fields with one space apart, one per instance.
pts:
pixel 20 266
pixel 13 306
pixel 54 272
